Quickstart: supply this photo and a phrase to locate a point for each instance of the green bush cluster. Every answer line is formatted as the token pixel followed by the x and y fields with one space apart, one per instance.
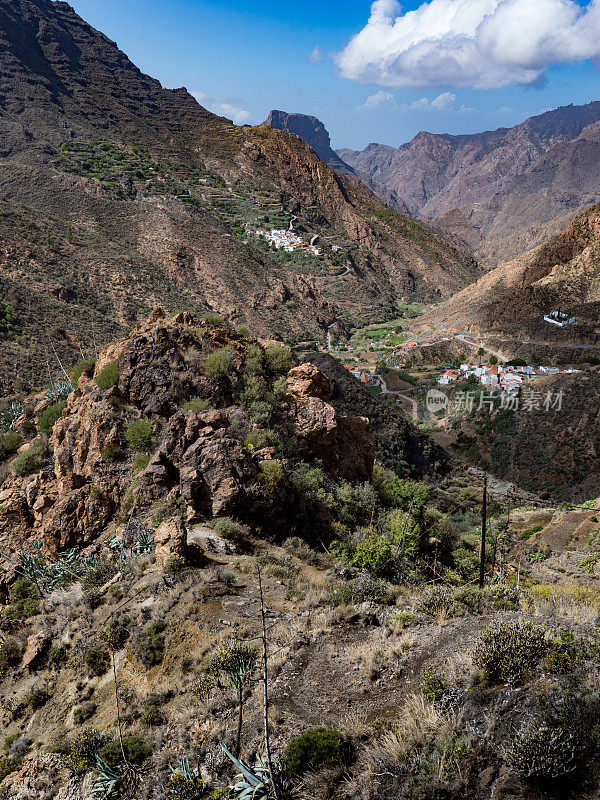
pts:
pixel 546 752
pixel 80 752
pixel 9 444
pixel 433 685
pixel 135 748
pixel 149 644
pixel 97 660
pixel 219 363
pixel 30 460
pixel 49 416
pixel 84 367
pixel 151 710
pixel 360 589
pixel 108 375
pixel 508 652
pixel 116 631
pixel 24 600
pixel 10 654
pixel 197 405
pixel 312 749
pixel 36 698
pixel 84 712
pixel 138 434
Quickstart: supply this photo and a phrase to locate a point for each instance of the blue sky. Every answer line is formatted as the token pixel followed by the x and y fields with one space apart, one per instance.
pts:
pixel 244 58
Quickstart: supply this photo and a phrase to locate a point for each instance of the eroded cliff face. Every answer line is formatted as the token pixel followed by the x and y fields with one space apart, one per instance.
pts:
pixel 228 458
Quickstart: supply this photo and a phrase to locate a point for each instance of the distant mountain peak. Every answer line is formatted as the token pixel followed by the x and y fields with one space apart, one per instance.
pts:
pixel 312 131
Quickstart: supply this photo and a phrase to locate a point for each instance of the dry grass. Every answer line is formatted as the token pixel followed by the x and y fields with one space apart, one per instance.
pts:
pixel 458 668
pixel 569 601
pixel 417 721
pixel 355 725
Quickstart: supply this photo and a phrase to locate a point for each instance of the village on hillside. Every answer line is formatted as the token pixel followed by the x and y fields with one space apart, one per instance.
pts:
pixel 288 241
pixel 508 378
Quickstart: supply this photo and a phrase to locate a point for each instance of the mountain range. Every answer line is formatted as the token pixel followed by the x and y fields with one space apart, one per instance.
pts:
pixel 500 192
pixel 117 195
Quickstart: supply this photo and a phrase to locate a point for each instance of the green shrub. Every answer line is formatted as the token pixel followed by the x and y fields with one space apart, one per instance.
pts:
pixel 228 529
pixel 311 749
pixel 546 752
pixel 138 434
pixel 397 493
pixel 272 475
pixel 10 654
pixel 565 653
pixel 9 444
pixel 30 460
pixel 359 590
pixel 174 564
pixel 36 698
pixel 116 631
pixel 85 367
pixel 80 751
pixel 49 417
pixel 97 660
pixel 436 600
pixel 151 710
pixel 228 577
pixel 136 750
pixel 373 553
pixel 508 652
pixel 197 405
pixel 84 712
pixel 256 440
pixel 8 765
pixel 24 597
pixel 99 573
pixel 108 376
pixel 279 359
pixel 434 685
pixel 57 654
pixel 8 742
pixel 149 644
pixel 212 320
pixel 219 363
pixel 243 330
pixel 141 461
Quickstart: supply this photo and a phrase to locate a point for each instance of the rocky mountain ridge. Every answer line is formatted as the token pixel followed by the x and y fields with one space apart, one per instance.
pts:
pixel 119 195
pixel 502 192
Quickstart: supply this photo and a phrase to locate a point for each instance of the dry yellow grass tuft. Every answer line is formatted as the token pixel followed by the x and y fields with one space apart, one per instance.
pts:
pixel 570 601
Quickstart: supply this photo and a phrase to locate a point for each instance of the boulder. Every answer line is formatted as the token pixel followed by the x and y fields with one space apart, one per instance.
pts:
pixel 306 380
pixel 36 646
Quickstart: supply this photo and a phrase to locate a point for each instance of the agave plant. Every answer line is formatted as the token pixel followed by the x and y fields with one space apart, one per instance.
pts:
pixel 251 783
pixel 107 783
pixel 10 414
pixel 60 391
pixel 183 782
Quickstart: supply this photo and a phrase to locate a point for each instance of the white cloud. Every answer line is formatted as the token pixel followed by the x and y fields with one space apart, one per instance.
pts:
pixel 316 55
pixel 376 100
pixel 478 43
pixel 444 102
pixel 223 108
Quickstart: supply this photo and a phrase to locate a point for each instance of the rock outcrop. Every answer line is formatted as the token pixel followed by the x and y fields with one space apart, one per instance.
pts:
pixel 200 464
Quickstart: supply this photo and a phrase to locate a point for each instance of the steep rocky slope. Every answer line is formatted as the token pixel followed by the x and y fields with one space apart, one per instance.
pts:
pixel 502 192
pixel 514 297
pixel 119 194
